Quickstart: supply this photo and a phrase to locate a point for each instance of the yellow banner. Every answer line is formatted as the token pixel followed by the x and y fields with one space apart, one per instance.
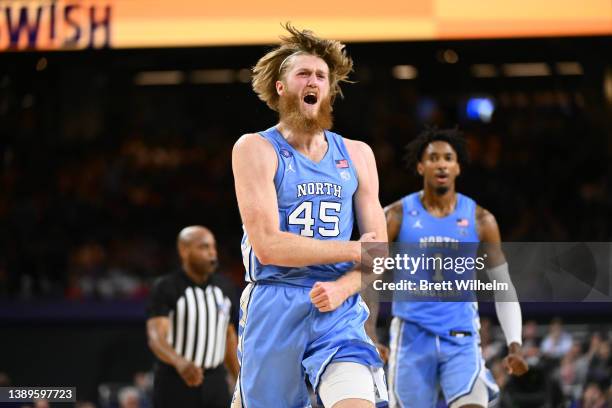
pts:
pixel 78 24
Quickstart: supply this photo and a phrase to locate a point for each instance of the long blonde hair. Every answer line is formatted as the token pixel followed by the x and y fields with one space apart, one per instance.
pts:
pixel 272 66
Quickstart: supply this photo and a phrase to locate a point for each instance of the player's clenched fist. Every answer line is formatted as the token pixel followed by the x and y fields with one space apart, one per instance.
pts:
pixel 327 296
pixel 514 362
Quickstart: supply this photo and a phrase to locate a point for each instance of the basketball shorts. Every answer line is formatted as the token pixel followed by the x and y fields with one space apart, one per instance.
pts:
pixel 284 340
pixel 421 363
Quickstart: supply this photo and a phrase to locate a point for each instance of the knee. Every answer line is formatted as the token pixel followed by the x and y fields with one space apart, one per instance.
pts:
pixel 347 385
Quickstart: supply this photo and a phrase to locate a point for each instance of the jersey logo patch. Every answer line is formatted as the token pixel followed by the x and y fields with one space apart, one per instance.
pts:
pixel 345 175
pixel 285 153
pixel 417 224
pixel 342 164
pixel 462 222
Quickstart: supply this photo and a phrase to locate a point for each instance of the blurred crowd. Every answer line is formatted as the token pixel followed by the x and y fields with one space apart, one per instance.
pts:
pixel 99 174
pixel 570 368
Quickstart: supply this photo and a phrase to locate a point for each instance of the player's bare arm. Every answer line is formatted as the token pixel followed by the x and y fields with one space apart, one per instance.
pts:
pixel 508 313
pixel 394 217
pixel 327 296
pixel 369 212
pixel 231 357
pixel 488 232
pixel 254 164
pixel 157 330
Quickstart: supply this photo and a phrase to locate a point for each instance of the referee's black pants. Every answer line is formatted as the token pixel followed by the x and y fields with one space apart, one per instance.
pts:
pixel 170 391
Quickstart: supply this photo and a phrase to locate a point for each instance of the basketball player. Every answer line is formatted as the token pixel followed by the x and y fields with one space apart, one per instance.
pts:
pixel 436 344
pixel 296 185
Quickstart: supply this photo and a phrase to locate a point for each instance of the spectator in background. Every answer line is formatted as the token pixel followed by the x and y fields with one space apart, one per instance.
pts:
pixel 129 398
pixel 84 404
pixel 584 361
pixel 5 380
pixel 600 368
pixel 144 384
pixel 570 380
pixel 593 397
pixel 491 347
pixel 531 343
pixel 558 342
pixel 530 334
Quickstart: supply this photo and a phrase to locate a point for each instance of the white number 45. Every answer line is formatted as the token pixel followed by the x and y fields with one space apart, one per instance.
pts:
pixel 328 213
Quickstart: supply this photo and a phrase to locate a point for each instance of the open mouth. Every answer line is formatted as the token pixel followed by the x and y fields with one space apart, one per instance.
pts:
pixel 310 99
pixel 441 178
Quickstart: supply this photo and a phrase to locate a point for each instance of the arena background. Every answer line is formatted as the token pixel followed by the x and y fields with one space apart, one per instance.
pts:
pixel 113 139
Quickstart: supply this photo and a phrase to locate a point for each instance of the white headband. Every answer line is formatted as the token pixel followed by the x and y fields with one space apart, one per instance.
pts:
pixel 280 68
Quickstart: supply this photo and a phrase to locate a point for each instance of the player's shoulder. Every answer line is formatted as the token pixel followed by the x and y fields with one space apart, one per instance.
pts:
pixel 406 202
pixel 468 202
pixel 252 141
pixel 481 213
pixel 395 207
pixel 253 149
pixel 360 152
pixel 484 217
pixel 358 146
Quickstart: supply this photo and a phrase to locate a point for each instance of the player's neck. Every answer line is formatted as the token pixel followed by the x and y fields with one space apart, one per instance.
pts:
pixel 306 143
pixel 439 205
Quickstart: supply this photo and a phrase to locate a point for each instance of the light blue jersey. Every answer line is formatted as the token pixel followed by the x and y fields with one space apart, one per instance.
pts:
pixel 314 200
pixel 283 338
pixel 419 226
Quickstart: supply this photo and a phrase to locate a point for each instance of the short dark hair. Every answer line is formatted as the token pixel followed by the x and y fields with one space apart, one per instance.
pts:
pixel 454 137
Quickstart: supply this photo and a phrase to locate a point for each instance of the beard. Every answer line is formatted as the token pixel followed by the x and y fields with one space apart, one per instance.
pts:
pixel 441 190
pixel 289 109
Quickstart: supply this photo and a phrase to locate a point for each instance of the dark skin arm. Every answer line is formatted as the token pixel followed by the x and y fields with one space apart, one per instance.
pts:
pixel 393 216
pixel 157 330
pixel 488 232
pixel 231 346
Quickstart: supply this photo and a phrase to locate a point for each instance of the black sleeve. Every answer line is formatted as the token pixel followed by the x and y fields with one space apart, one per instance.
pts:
pixel 160 300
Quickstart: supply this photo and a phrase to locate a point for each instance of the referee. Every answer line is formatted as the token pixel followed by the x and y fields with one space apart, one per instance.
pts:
pixel 189 328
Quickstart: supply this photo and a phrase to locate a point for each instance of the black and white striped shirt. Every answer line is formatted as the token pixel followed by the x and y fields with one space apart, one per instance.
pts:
pixel 199 316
